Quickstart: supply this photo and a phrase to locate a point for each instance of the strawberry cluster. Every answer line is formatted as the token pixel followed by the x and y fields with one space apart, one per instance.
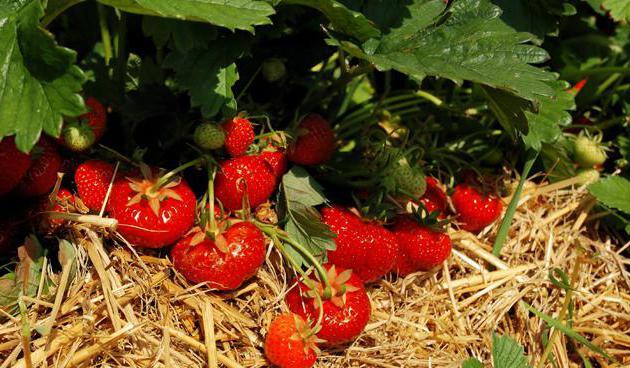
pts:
pixel 217 241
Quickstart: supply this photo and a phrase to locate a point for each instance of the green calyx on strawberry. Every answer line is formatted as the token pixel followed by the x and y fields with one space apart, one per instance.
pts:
pixel 588 151
pixel 345 313
pixel 209 136
pixel 291 343
pixel 152 212
pixel 78 137
pixel 224 260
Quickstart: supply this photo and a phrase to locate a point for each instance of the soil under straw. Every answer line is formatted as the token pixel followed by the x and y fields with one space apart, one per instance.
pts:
pixel 130 309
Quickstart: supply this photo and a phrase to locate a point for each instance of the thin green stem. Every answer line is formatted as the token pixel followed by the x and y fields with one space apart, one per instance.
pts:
pixel 105 35
pixel 596 71
pixel 429 97
pixel 52 14
pixel 532 155
pixel 169 175
pixel 249 82
pixel 212 171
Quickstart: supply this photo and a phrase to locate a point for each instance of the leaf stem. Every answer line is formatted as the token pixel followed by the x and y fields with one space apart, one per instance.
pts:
pixel 532 155
pixel 169 175
pixel 105 35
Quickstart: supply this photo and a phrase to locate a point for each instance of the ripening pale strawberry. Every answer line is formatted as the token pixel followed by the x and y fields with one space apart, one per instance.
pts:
pixel 474 209
pixel 42 175
pixel 245 176
pixel 150 216
pixel 13 165
pixel 290 343
pixel 420 247
pixel 346 313
pixel 239 135
pixel 366 247
pixel 92 179
pixel 314 143
pixel 224 263
pixel 588 151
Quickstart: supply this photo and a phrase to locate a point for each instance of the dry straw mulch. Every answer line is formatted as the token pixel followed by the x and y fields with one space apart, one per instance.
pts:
pixel 124 309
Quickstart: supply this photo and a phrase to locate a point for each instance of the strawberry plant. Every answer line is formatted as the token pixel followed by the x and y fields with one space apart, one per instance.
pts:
pixel 350 145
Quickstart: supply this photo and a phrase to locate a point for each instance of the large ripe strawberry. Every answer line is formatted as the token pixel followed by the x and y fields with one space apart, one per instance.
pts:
pixel 421 247
pixel 42 175
pixel 345 314
pixel 245 176
pixel 92 179
pixel 239 135
pixel 474 209
pixel 277 161
pixel 314 143
pixel 290 343
pixel 224 263
pixel 148 216
pixel 13 165
pixel 434 198
pixel 366 247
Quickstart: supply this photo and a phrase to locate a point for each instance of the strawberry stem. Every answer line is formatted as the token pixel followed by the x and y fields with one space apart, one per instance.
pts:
pixel 169 175
pixel 212 171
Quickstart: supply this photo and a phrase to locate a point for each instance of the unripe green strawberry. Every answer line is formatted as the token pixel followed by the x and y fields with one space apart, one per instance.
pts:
pixel 273 70
pixel 209 136
pixel 78 137
pixel 587 176
pixel 588 152
pixel 407 179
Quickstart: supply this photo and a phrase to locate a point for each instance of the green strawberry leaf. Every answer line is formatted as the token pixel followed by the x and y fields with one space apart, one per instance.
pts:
pixel 233 14
pixel 539 17
pixel 39 82
pixel 612 192
pixel 299 194
pixel 208 75
pixel 466 41
pixel 179 35
pixel 472 363
pixel 342 19
pixel 619 9
pixel 507 353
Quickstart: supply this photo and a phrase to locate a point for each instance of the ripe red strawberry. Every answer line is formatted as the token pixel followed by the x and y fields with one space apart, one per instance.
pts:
pixel 314 143
pixel 92 179
pixel 277 161
pixel 366 247
pixel 96 118
pixel 421 248
pixel 239 135
pixel 434 198
pixel 345 314
pixel 225 263
pixel 244 176
pixel 13 165
pixel 475 210
pixel 64 202
pixel 42 175
pixel 290 342
pixel 148 217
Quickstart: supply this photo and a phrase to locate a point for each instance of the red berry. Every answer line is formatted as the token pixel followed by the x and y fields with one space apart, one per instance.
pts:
pixel 421 248
pixel 64 202
pixel 277 161
pixel 345 314
pixel 92 179
pixel 148 217
pixel 239 135
pixel 315 141
pixel 42 175
pixel 367 248
pixel 13 165
pixel 225 263
pixel 244 176
pixel 96 118
pixel 434 198
pixel 290 343
pixel 475 210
